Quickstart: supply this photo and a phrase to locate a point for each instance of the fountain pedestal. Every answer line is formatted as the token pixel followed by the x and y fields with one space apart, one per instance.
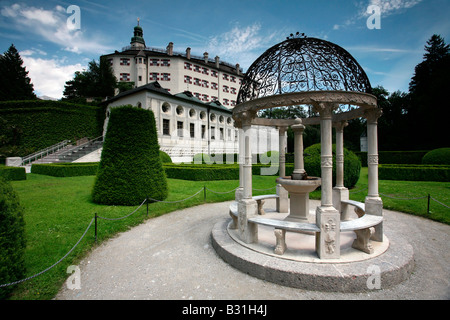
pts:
pixel 299 196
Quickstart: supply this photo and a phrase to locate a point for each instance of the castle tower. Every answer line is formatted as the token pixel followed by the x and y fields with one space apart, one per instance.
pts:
pixel 137 41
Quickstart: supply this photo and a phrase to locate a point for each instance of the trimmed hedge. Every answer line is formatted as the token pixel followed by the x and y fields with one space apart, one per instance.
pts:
pixel 12 238
pixel 202 172
pixel 352 164
pixel 414 172
pixel 394 157
pixel 130 168
pixel 437 156
pixel 29 126
pixel 66 169
pixel 12 173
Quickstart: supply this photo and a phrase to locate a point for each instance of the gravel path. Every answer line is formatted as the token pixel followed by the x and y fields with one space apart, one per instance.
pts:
pixel 171 258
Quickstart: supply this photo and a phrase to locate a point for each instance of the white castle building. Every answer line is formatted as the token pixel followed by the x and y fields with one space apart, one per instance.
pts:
pixel 208 79
pixel 191 97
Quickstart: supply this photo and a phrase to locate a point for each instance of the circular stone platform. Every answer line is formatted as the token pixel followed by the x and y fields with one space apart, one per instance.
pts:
pixel 391 263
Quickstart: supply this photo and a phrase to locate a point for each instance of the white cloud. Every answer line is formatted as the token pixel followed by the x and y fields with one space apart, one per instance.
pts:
pixel 241 44
pixel 387 8
pixel 51 25
pixel 49 75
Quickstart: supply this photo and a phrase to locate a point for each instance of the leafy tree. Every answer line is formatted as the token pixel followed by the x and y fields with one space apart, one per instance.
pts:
pixel 97 82
pixel 14 82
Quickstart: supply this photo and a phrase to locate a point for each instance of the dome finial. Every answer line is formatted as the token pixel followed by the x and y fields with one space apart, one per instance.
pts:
pixel 138 20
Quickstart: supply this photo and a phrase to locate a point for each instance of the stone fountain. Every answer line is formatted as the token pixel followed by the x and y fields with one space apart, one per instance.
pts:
pixel 299 184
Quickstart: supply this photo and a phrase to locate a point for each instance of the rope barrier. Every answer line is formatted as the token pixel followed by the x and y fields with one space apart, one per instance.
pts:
pixel 218 192
pixel 115 219
pixel 177 201
pixel 385 195
pixel 202 189
pixel 439 202
pixel 53 265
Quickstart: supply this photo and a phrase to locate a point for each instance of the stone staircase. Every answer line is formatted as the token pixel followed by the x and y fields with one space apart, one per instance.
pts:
pixel 77 152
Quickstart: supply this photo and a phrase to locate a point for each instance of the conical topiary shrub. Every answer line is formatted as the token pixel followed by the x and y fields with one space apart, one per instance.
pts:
pixel 130 168
pixel 12 238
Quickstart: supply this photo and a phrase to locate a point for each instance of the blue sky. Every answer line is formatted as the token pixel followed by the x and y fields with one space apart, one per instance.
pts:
pixel 236 31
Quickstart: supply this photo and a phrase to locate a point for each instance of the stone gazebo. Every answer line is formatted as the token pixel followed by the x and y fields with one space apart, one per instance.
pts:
pixel 303 71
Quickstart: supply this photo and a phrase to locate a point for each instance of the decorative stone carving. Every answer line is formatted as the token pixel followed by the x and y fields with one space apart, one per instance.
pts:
pixel 281 247
pixel 329 228
pixel 362 241
pixel 372 159
pixel 326 161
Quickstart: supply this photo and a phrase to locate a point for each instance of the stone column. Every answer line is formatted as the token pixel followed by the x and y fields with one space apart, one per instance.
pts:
pixel 240 190
pixel 283 195
pixel 282 152
pixel 373 202
pixel 299 166
pixel 339 191
pixel 327 217
pixel 247 207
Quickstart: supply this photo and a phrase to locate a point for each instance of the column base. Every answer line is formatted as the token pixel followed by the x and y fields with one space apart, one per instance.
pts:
pixel 328 239
pixel 248 232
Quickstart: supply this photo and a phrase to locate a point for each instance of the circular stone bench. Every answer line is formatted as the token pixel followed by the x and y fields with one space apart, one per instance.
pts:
pixel 362 226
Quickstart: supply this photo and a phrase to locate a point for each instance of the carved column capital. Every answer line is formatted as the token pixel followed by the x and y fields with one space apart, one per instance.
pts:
pixel 325 109
pixel 373 114
pixel 340 125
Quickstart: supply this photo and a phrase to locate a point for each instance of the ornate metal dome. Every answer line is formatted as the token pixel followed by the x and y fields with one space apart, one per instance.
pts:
pixel 301 64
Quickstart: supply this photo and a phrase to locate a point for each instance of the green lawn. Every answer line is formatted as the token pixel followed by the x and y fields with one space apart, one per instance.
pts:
pixel 58 211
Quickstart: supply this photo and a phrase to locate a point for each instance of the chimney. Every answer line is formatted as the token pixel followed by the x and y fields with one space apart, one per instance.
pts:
pixel 170 49
pixel 205 56
pixel 217 62
pixel 238 71
pixel 188 53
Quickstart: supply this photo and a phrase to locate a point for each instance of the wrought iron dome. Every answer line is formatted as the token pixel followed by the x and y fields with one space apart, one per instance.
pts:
pixel 302 64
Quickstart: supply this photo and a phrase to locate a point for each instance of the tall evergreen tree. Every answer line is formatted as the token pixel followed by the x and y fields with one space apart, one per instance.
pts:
pixel 14 82
pixel 430 107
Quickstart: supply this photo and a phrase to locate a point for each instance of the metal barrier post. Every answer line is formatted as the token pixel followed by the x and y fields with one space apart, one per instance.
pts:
pixel 428 207
pixel 147 206
pixel 204 193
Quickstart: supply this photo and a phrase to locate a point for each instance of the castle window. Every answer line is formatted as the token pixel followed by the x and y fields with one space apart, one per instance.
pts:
pixel 203 131
pixel 225 77
pixel 180 128
pixel 180 110
pixel 154 62
pixel 197 81
pixel 187 79
pixel 233 90
pixel 225 88
pixel 188 66
pixel 166 127
pixel 205 71
pixel 214 85
pixel 197 68
pixel 165 62
pixel 154 76
pixel 165 77
pixel 205 84
pixel 214 73
pixel 124 61
pixel 205 97
pixel 125 77
pixel 233 79
pixel 192 130
pixel 221 133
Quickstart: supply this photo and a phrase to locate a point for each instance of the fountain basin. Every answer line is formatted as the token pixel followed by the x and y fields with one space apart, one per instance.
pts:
pixel 299 196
